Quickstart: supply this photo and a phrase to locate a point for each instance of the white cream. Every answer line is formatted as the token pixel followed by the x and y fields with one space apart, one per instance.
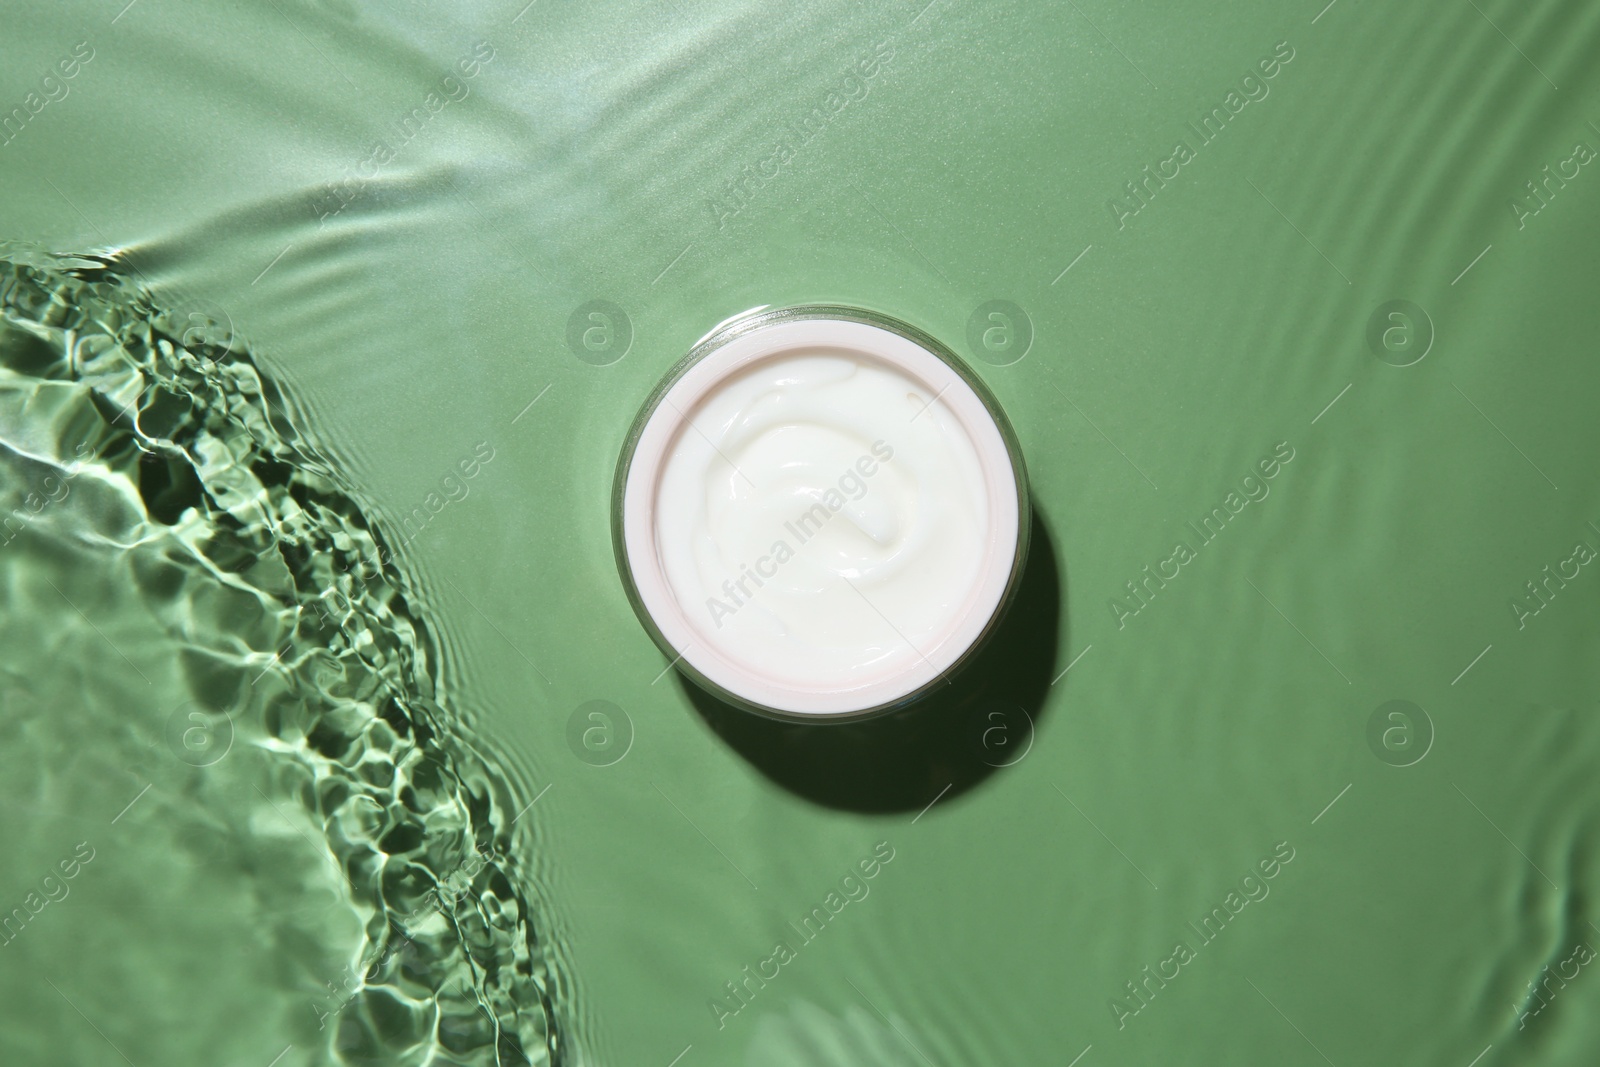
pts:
pixel 821 527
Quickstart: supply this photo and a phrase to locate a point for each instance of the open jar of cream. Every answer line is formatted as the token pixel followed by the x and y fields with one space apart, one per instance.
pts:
pixel 820 513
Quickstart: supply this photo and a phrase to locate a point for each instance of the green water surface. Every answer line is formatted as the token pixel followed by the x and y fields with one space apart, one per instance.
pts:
pixel 323 325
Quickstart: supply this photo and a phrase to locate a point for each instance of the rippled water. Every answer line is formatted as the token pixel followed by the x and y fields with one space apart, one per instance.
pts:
pixel 273 662
pixel 258 657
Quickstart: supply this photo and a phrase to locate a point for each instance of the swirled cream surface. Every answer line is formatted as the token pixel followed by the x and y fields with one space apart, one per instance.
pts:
pixel 823 520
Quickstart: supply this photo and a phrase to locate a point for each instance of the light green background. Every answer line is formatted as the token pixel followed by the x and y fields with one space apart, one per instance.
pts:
pixel 1176 352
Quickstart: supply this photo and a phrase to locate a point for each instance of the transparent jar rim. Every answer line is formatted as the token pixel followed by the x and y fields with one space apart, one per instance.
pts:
pixel 740 326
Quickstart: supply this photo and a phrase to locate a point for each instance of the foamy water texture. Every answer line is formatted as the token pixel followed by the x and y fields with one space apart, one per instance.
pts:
pixel 197 630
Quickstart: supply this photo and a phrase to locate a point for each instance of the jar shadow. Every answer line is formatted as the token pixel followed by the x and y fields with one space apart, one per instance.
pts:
pixel 985 720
